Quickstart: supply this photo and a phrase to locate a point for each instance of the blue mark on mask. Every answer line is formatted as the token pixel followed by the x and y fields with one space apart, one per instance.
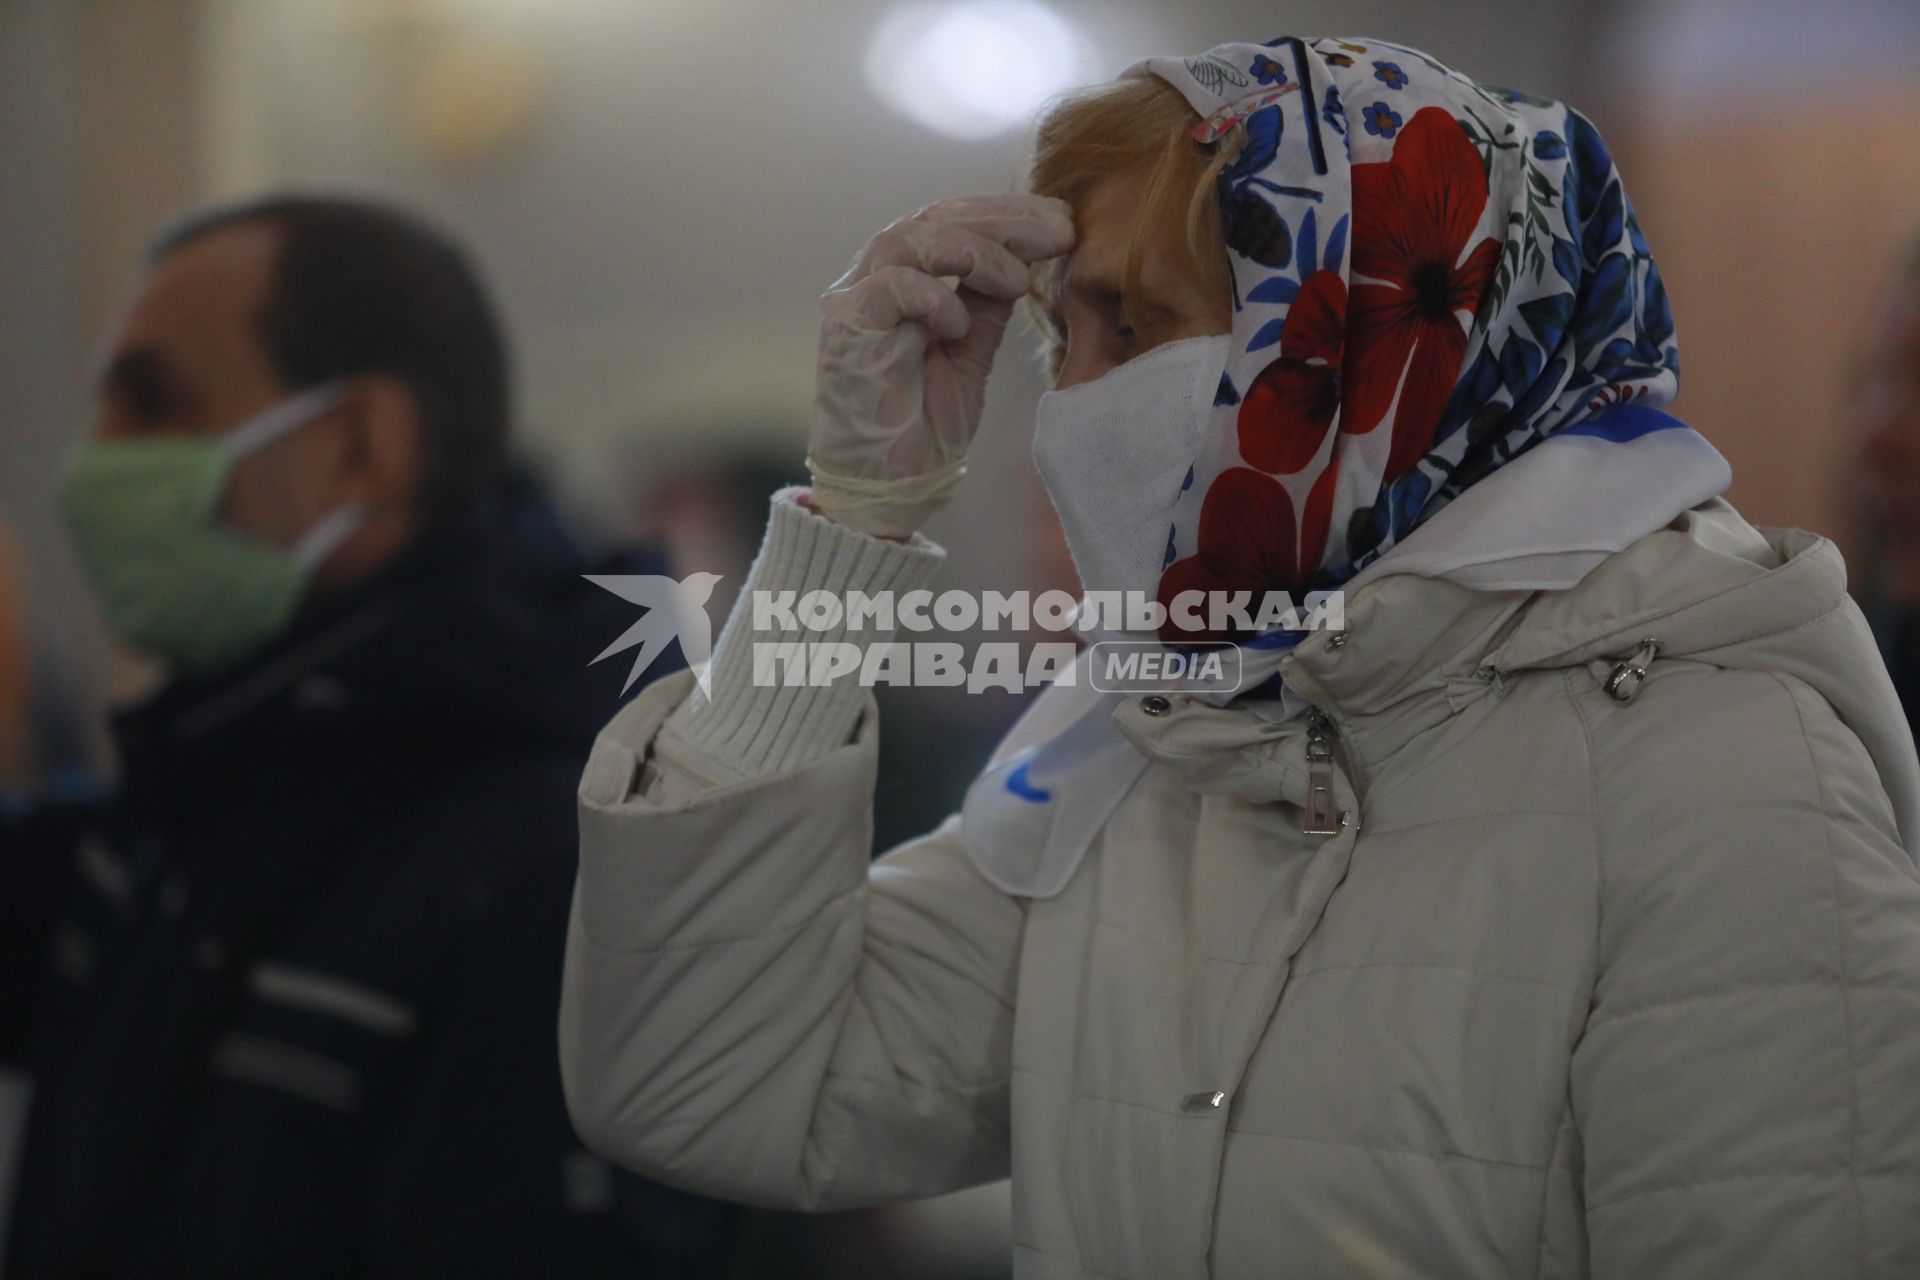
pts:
pixel 1018 784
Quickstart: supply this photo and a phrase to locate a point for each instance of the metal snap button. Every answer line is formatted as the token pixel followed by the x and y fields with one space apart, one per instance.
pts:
pixel 1338 640
pixel 1626 679
pixel 1155 705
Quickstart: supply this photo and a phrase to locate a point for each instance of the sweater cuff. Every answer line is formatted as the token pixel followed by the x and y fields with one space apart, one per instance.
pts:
pixel 754 730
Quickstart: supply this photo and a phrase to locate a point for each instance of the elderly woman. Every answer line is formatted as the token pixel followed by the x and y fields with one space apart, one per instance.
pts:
pixel 1555 916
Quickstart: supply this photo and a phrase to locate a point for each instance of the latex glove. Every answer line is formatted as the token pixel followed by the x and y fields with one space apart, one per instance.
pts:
pixel 904 356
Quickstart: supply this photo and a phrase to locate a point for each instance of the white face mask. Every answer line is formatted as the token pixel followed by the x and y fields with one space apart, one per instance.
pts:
pixel 1114 452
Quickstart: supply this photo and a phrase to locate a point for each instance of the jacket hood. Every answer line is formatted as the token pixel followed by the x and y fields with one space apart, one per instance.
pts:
pixel 1709 587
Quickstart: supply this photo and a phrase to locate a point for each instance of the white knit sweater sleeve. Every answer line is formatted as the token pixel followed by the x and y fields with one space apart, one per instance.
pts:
pixel 748 730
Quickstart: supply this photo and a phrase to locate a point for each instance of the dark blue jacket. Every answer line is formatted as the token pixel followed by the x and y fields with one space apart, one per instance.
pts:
pixel 289 994
pixel 1900 645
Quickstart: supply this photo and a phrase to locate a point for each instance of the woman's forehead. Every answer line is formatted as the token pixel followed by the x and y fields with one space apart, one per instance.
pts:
pixel 1103 232
pixel 1103 225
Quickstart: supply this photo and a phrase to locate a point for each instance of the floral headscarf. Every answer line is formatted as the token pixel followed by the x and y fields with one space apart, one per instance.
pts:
pixel 1430 277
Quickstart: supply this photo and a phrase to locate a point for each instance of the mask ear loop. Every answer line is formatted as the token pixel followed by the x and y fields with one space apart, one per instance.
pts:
pixel 280 419
pixel 326 534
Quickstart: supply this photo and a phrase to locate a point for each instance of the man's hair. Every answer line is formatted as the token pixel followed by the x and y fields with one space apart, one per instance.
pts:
pixel 360 287
pixel 1139 128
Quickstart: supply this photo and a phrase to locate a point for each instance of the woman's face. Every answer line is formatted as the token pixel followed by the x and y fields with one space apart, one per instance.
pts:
pixel 1090 310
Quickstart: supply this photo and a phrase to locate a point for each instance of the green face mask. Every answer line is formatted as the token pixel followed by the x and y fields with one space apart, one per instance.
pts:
pixel 175 583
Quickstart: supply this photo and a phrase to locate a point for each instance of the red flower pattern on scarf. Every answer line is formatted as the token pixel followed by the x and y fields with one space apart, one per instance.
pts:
pixel 1292 403
pixel 1414 217
pixel 1392 347
pixel 1249 541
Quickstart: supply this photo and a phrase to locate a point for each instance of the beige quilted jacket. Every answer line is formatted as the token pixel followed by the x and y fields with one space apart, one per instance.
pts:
pixel 1584 987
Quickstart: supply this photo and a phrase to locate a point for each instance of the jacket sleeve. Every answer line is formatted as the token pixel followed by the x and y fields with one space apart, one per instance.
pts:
pixel 1747 1087
pixel 752 1011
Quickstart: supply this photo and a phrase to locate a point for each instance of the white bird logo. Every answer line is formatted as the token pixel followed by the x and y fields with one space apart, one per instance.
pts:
pixel 674 609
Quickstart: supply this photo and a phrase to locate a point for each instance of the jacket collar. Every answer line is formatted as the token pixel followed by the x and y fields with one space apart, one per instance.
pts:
pixel 483 628
pixel 1416 650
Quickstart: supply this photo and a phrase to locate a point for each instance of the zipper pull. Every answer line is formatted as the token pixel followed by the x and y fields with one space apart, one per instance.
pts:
pixel 1320 819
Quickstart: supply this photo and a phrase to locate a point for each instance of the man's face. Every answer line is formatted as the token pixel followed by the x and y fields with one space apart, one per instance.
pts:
pixel 187 360
pixel 1089 310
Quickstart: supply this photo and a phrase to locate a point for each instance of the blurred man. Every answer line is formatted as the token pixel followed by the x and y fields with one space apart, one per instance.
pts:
pixel 289 995
pixel 1889 408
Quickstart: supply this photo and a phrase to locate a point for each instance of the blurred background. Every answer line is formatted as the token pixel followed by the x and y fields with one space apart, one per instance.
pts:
pixel 658 191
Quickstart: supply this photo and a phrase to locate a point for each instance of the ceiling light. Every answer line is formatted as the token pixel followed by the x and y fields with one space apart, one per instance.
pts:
pixel 973 69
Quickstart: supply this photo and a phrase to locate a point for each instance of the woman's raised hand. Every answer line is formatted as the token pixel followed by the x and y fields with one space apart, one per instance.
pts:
pixel 904 355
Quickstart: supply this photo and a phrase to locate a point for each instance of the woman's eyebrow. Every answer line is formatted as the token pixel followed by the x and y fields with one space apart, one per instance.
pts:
pixel 1093 288
pixel 1107 294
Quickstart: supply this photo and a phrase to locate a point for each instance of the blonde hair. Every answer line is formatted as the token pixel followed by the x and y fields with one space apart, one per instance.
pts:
pixel 1138 127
